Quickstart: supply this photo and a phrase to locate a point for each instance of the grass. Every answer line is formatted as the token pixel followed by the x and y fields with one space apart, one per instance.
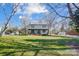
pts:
pixel 35 45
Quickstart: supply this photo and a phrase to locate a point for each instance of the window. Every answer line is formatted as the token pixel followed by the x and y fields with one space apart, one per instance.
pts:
pixel 44 30
pixel 43 26
pixel 32 26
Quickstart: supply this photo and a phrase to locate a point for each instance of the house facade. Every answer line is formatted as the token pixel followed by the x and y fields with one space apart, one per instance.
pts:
pixel 32 29
pixel 38 29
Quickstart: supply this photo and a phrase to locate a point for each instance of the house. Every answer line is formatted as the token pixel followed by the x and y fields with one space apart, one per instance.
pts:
pixel 38 29
pixel 11 31
pixel 34 29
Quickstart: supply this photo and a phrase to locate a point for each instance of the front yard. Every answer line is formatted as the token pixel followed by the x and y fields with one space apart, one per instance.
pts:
pixel 37 45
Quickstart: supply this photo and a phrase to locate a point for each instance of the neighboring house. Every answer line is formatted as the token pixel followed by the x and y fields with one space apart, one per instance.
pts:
pixel 38 29
pixel 62 33
pixel 11 31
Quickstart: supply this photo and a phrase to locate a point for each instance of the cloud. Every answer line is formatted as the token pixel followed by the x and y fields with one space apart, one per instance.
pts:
pixel 31 8
pixel 36 8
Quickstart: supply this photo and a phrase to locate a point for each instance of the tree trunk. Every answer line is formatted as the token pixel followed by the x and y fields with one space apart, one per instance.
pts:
pixel 70 11
pixel 9 18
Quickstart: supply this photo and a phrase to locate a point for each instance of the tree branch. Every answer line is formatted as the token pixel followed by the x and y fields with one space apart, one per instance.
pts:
pixel 9 18
pixel 75 6
pixel 56 11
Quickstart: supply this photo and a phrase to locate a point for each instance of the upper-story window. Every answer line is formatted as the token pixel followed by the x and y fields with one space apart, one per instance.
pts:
pixel 43 26
pixel 32 26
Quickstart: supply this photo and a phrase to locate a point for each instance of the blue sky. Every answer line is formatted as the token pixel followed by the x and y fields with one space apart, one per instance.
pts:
pixel 31 11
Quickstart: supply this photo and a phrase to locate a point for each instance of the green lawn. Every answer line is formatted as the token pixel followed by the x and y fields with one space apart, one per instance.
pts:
pixel 35 45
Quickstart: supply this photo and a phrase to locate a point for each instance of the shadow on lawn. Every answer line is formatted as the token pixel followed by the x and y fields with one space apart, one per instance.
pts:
pixel 59 42
pixel 39 45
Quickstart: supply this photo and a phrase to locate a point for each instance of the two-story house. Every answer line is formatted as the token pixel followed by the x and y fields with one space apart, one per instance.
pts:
pixel 38 29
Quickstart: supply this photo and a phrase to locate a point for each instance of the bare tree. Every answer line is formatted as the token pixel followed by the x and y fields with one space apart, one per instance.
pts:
pixel 25 24
pixel 8 18
pixel 70 11
pixel 76 5
pixel 70 16
pixel 49 19
pixel 54 10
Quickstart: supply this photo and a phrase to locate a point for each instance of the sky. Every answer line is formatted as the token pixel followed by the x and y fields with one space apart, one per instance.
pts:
pixel 31 11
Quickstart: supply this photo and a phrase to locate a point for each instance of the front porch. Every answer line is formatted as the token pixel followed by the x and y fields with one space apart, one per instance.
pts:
pixel 38 31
